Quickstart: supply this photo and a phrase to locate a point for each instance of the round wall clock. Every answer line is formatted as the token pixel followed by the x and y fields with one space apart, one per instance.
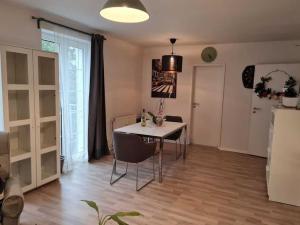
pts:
pixel 248 76
pixel 209 54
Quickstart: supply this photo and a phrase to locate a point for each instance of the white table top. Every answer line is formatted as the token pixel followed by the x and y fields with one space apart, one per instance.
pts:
pixel 151 129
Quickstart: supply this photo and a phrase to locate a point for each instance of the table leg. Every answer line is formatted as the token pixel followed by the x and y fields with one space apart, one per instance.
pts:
pixel 185 144
pixel 161 146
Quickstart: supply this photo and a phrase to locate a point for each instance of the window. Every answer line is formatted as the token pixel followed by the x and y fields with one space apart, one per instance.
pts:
pixel 74 62
pixel 50 46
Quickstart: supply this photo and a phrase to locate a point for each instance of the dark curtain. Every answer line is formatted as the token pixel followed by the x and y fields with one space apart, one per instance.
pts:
pixel 97 140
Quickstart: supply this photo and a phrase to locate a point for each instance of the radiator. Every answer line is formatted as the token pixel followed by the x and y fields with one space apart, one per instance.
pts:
pixel 122 121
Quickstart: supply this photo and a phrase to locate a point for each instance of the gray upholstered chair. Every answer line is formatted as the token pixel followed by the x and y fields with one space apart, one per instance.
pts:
pixel 175 136
pixel 13 202
pixel 131 148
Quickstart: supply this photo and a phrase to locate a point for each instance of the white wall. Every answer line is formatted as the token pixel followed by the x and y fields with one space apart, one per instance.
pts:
pixel 237 99
pixel 122 79
pixel 125 92
pixel 122 60
pixel 17 27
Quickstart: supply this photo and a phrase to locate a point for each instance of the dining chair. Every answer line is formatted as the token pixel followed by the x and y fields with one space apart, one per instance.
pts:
pixel 175 136
pixel 131 148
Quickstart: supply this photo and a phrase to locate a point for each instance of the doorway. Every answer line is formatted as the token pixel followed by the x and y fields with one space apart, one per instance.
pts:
pixel 207 105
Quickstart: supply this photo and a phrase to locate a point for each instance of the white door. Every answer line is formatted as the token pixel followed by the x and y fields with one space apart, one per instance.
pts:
pixel 207 105
pixel 261 107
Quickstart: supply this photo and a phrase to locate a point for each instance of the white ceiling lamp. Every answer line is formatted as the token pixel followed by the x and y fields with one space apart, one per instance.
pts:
pixel 124 11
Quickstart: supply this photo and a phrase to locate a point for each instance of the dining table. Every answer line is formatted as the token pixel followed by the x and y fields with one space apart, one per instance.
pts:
pixel 151 130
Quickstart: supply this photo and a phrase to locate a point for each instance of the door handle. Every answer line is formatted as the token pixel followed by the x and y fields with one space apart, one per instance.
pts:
pixel 195 104
pixel 255 109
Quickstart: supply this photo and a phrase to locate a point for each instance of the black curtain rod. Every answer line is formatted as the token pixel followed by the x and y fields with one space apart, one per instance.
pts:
pixel 40 19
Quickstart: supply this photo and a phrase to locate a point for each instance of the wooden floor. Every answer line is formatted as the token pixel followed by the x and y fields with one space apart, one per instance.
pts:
pixel 211 187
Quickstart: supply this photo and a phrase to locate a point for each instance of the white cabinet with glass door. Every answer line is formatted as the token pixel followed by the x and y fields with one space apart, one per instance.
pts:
pixel 30 113
pixel 46 116
pixel 18 112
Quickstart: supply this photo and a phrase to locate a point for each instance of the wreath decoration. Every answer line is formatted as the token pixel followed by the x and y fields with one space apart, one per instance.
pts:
pixel 263 92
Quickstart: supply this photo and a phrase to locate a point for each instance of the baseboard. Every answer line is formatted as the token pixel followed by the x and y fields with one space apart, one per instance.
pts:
pixel 233 150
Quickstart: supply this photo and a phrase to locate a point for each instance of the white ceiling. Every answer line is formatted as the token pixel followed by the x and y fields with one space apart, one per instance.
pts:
pixel 191 21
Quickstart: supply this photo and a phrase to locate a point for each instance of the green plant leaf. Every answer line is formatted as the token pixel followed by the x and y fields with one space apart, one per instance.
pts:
pixel 118 220
pixel 132 213
pixel 92 205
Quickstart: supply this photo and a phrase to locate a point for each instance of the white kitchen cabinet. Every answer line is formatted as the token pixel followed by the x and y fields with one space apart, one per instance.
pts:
pixel 282 170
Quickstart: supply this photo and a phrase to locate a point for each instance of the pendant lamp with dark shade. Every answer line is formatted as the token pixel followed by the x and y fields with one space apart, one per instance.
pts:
pixel 172 63
pixel 124 11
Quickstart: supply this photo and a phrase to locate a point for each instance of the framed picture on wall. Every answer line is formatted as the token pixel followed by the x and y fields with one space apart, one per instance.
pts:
pixel 164 84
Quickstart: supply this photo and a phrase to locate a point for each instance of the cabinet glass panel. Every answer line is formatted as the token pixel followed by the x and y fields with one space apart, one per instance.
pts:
pixel 18 101
pixel 49 164
pixel 17 68
pixel 47 103
pixel 46 71
pixel 19 140
pixel 22 169
pixel 48 134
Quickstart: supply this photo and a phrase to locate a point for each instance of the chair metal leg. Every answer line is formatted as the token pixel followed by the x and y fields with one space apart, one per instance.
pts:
pixel 180 152
pixel 114 171
pixel 137 177
pixel 153 161
pixel 185 142
pixel 176 149
pixel 179 146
